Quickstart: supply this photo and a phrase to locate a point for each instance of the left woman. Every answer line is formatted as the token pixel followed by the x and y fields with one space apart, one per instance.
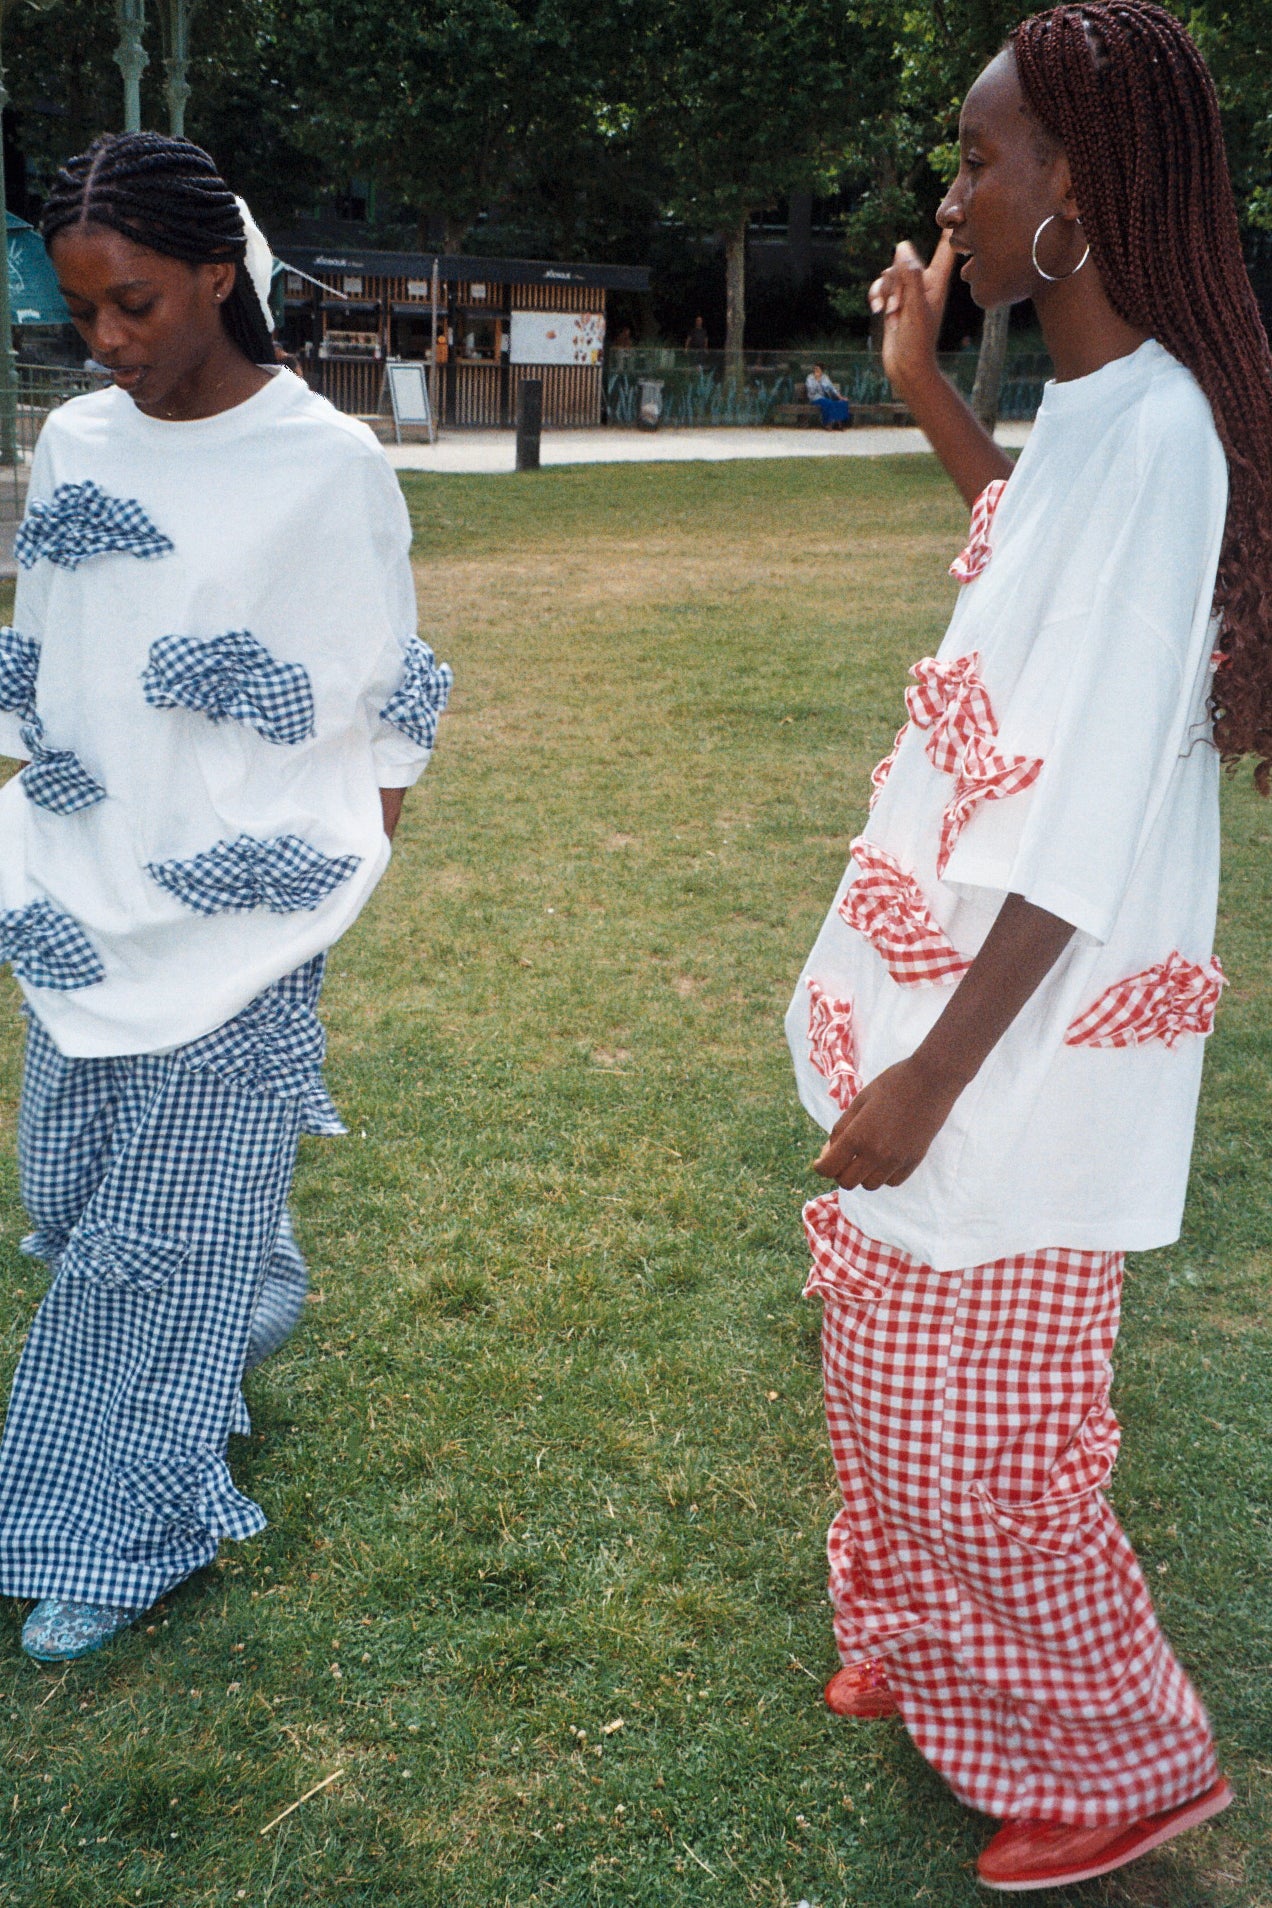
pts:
pixel 214 679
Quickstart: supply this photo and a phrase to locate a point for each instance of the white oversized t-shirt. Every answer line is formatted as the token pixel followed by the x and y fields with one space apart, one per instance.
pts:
pixel 1058 748
pixel 211 672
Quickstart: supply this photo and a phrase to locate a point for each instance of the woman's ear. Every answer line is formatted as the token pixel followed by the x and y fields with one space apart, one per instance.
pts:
pixel 1068 209
pixel 219 278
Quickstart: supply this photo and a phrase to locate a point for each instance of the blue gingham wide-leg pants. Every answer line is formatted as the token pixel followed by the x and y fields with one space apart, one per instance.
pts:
pixel 157 1184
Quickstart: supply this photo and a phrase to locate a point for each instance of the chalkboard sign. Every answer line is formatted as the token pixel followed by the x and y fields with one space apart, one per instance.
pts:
pixel 408 392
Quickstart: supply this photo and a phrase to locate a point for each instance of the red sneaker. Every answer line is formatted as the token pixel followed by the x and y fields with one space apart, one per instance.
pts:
pixel 861 1690
pixel 1052 1854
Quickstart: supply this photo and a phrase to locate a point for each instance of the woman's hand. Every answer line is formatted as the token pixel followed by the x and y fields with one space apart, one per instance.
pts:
pixel 912 297
pixel 888 1128
pixel 391 800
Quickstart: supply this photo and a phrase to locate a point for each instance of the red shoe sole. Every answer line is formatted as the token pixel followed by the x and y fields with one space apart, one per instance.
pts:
pixel 1134 1842
pixel 861 1691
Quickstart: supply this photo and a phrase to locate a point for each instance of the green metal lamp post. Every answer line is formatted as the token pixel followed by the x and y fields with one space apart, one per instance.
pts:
pixel 131 57
pixel 176 36
pixel 8 368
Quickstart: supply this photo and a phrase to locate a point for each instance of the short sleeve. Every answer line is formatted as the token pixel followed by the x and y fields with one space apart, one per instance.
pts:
pixel 30 600
pixel 1121 678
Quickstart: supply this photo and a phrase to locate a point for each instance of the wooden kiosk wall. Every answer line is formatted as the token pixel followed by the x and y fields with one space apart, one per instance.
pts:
pixel 385 292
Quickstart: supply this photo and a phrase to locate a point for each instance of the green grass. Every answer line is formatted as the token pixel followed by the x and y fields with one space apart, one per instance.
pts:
pixel 547 1451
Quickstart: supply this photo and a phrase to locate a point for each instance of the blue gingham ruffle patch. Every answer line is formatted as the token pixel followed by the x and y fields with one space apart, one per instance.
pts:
pixel 285 875
pixel 46 948
pixel 19 665
pixel 56 779
pixel 421 695
pixel 189 1496
pixel 81 521
pixel 231 678
pixel 276 1045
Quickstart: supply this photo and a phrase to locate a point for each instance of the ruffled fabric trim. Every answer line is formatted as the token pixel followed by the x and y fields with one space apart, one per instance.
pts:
pixel 832 1047
pixel 56 779
pixel 971 560
pixel 985 775
pixel 122 1258
pixel 80 521
pixel 48 949
pixel 285 875
pixel 886 905
pixel 421 695
pixel 845 1267
pixel 952 703
pixel 185 1498
pixel 231 678
pixel 1165 1002
pixel 882 770
pixel 275 1046
pixel 19 666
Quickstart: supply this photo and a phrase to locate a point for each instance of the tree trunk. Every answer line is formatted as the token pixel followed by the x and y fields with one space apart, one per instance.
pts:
pixel 735 319
pixel 987 389
pixel 455 231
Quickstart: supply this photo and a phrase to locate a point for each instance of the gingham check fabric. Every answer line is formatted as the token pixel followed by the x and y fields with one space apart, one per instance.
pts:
pixel 233 877
pixel 231 678
pixel 880 772
pixel 80 521
pixel 951 702
pixel 56 779
pixel 971 560
pixel 984 775
pixel 158 1193
pixel 886 905
pixel 1165 1002
pixel 832 1047
pixel 421 695
pixel 19 666
pixel 971 1429
pixel 47 948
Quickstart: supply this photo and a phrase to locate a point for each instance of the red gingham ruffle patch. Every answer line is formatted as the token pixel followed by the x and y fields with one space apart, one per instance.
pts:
pixel 952 703
pixel 886 905
pixel 1165 1002
pixel 971 560
pixel 985 776
pixel 832 1046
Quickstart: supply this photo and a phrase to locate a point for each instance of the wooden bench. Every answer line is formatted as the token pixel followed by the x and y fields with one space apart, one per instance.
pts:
pixel 808 415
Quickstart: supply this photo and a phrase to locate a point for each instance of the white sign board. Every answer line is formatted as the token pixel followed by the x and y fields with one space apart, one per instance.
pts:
pixel 556 337
pixel 408 392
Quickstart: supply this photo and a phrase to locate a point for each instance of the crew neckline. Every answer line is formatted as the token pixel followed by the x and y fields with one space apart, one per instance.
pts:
pixel 1077 394
pixel 254 411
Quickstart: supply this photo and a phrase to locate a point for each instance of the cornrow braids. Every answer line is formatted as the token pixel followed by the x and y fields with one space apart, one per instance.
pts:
pixel 167 195
pixel 1124 89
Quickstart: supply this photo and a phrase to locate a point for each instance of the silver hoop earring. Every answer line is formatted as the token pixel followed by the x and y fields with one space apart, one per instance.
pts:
pixel 1054 278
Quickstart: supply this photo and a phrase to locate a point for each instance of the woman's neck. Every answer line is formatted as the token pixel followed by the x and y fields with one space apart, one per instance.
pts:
pixel 223 379
pixel 1081 330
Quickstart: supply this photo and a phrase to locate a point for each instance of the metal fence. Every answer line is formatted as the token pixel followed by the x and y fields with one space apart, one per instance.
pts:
pixel 41 388
pixel 699 389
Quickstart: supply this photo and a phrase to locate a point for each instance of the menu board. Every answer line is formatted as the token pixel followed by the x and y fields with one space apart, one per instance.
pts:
pixel 556 337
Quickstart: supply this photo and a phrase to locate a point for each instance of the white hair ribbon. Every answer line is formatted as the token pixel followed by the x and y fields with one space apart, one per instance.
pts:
pixel 259 260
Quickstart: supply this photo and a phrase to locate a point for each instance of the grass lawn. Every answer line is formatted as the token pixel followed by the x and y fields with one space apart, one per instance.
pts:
pixel 545 1465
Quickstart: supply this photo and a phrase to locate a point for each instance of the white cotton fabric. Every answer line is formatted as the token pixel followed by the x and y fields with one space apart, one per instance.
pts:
pixel 288 523
pixel 1092 621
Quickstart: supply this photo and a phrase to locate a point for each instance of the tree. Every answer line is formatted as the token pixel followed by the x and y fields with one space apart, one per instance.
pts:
pixel 749 100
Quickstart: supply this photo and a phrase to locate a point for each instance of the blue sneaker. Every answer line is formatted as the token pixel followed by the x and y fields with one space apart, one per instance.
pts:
pixel 57 1630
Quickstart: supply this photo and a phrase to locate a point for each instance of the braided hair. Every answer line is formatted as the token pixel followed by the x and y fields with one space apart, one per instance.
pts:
pixel 1123 88
pixel 167 195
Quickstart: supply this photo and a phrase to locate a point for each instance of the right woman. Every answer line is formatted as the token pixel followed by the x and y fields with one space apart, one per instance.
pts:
pixel 1002 1021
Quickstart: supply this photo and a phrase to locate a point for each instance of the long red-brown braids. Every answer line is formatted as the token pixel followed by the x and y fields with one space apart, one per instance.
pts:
pixel 1123 88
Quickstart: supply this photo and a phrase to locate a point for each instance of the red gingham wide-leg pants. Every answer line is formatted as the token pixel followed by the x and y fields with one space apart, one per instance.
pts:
pixel 975 1553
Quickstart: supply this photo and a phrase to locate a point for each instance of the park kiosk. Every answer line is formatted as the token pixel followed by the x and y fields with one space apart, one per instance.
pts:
pixel 480 324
